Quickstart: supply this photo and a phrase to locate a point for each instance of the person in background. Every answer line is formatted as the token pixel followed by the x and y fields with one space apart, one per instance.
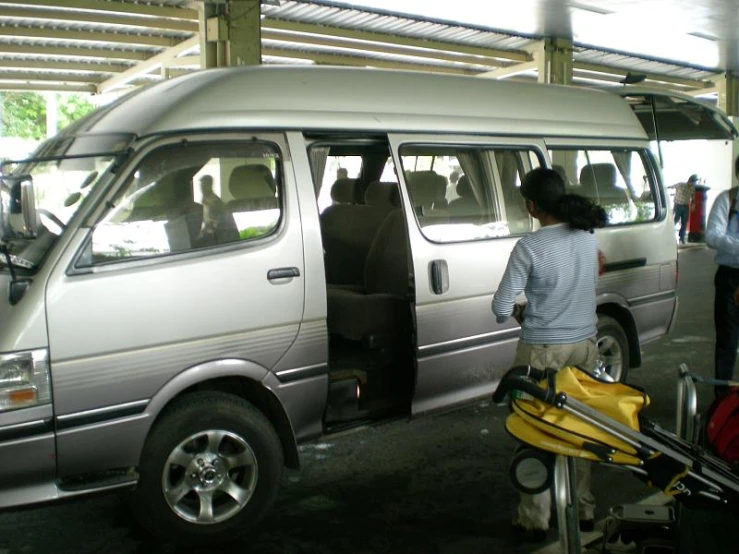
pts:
pixel 557 267
pixel 213 206
pixel 722 234
pixel 451 189
pixel 683 201
pixel 342 173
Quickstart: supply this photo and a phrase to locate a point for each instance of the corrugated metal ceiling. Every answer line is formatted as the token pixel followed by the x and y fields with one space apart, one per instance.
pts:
pixel 88 45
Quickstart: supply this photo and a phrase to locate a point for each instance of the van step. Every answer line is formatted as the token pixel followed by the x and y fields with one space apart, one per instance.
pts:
pixel 98 481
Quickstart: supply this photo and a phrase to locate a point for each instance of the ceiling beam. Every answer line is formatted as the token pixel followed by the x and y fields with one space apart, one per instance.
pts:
pixel 382 38
pixel 73 52
pixel 510 70
pixel 668 79
pixel 51 87
pixel 112 7
pixel 183 61
pixel 96 36
pixel 33 76
pixel 155 62
pixel 59 65
pixel 356 61
pixel 380 48
pixel 11 12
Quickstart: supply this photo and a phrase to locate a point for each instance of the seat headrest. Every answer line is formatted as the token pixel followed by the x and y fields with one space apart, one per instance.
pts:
pixel 464 187
pixel 426 187
pixel 561 171
pixel 344 191
pixel 603 174
pixel 173 189
pixel 383 194
pixel 603 178
pixel 251 181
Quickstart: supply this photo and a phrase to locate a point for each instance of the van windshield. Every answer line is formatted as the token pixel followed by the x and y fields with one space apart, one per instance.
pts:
pixel 40 196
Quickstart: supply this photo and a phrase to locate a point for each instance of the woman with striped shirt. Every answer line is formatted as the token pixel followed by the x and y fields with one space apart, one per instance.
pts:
pixel 557 268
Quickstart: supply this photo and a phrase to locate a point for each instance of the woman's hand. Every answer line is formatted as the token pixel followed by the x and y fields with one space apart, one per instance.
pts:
pixel 518 312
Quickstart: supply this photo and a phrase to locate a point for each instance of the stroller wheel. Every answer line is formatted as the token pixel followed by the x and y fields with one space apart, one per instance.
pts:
pixel 532 470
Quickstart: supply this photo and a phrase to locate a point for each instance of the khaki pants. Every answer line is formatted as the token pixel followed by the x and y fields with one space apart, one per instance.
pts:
pixel 534 510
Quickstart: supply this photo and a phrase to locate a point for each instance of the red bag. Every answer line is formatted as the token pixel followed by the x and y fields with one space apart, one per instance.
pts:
pixel 722 430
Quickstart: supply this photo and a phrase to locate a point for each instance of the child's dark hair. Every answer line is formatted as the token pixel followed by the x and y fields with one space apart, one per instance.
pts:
pixel 546 189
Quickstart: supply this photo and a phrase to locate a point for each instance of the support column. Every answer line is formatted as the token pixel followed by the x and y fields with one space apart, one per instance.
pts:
pixel 244 46
pixel 208 45
pixel 728 94
pixel 554 58
pixel 728 100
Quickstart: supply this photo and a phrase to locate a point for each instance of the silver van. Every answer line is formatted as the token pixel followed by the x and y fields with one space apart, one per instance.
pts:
pixel 207 272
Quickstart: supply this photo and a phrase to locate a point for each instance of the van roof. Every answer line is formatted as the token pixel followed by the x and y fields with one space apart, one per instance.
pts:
pixel 346 99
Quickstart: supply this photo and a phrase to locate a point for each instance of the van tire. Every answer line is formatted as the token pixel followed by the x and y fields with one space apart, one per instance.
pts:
pixel 613 348
pixel 221 442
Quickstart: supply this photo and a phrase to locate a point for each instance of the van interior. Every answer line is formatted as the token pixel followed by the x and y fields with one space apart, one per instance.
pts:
pixel 369 280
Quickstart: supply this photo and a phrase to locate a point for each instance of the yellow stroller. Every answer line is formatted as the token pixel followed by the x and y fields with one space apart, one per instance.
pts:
pixel 571 414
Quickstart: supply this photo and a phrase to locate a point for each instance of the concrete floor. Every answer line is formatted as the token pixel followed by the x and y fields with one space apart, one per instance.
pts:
pixel 436 486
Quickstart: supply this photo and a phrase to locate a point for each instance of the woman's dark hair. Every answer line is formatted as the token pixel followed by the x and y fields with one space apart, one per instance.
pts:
pixel 545 188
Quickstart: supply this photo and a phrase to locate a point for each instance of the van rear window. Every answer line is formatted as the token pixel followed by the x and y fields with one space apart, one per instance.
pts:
pixel 617 179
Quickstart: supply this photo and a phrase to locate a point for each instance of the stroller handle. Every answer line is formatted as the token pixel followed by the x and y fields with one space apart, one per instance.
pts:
pixel 520 378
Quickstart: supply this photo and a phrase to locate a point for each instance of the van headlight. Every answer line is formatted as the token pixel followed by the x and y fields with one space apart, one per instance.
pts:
pixel 24 379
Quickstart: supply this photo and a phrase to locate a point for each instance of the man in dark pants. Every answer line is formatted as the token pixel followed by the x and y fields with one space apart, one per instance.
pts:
pixel 683 199
pixel 722 234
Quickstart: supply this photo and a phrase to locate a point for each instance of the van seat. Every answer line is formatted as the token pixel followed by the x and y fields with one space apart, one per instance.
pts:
pixel 465 208
pixel 428 193
pixel 380 314
pixel 252 188
pixel 171 199
pixel 344 191
pixel 349 229
pixel 384 194
pixel 598 181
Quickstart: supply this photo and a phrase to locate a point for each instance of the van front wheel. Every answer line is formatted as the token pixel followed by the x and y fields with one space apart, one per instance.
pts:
pixel 211 467
pixel 613 348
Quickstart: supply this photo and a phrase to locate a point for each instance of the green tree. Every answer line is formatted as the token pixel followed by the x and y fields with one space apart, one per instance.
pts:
pixel 72 107
pixel 24 113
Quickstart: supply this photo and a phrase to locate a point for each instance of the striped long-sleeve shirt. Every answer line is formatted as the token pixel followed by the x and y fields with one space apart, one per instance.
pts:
pixel 557 268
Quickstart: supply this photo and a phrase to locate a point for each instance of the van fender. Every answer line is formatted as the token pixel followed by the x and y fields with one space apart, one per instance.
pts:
pixel 210 372
pixel 201 373
pixel 617 307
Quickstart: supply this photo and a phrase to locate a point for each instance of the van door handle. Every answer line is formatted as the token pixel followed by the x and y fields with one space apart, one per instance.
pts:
pixel 439 276
pixel 283 273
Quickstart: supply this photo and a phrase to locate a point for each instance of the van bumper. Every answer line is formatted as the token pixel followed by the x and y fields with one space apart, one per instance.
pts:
pixel 27 468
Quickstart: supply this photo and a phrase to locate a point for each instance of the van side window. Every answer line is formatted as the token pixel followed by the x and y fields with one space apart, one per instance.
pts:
pixel 467 193
pixel 617 179
pixel 189 196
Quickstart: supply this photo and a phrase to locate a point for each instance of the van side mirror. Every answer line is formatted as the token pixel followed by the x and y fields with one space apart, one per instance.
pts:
pixel 28 207
pixel 17 198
